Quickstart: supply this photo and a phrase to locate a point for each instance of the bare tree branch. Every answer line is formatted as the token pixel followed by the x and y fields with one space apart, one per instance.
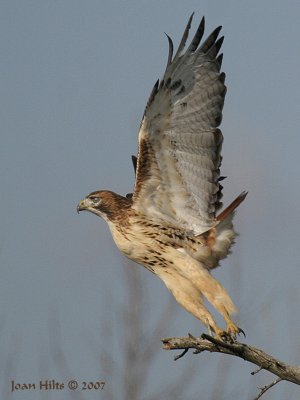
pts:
pixel 249 353
pixel 267 387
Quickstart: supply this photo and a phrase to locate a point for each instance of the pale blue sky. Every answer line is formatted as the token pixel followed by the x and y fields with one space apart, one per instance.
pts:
pixel 75 77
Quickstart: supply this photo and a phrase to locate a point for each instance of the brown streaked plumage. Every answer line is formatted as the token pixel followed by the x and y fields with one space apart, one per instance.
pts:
pixel 170 223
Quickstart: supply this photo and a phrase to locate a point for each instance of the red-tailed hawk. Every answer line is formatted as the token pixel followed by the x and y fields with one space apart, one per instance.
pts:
pixel 170 224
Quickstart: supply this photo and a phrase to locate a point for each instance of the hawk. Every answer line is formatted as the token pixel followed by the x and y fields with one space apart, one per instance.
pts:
pixel 171 223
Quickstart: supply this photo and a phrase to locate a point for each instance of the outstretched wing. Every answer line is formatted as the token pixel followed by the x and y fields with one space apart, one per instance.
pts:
pixel 177 177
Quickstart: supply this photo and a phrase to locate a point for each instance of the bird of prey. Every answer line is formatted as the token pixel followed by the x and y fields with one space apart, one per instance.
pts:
pixel 171 223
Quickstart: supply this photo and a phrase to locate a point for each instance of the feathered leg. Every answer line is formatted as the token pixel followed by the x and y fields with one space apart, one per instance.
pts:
pixel 215 293
pixel 190 298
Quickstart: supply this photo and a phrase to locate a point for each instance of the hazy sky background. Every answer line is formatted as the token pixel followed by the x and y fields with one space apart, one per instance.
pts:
pixel 75 77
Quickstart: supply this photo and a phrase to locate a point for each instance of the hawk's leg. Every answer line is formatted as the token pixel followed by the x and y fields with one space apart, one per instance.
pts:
pixel 189 297
pixel 232 330
pixel 217 295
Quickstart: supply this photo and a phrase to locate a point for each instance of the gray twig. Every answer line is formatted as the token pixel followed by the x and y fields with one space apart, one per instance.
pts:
pixel 267 387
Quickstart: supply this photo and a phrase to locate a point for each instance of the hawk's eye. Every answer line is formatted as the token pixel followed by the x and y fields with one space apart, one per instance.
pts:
pixel 95 200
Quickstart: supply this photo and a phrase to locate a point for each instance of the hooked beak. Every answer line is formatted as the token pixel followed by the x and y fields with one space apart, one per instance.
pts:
pixel 81 206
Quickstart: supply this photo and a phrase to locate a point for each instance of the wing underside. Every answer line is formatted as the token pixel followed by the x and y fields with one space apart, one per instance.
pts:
pixel 179 156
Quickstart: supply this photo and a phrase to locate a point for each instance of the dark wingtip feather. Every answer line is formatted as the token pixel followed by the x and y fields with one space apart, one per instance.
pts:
pixel 222 77
pixel 210 40
pixel 153 94
pixel 215 48
pixel 198 36
pixel 171 48
pixel 184 36
pixel 134 162
pixel 220 60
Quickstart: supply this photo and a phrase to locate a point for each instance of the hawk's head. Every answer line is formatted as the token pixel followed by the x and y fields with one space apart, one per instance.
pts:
pixel 108 205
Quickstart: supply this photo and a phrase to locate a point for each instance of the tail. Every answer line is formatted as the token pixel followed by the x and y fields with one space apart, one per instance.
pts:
pixel 223 233
pixel 232 206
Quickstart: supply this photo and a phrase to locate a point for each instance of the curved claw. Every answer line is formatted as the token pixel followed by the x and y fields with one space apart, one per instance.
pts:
pixel 241 331
pixel 233 330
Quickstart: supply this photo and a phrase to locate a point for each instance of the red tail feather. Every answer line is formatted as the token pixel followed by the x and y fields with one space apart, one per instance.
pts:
pixel 232 206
